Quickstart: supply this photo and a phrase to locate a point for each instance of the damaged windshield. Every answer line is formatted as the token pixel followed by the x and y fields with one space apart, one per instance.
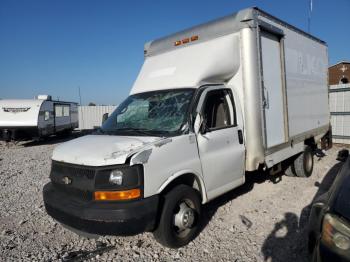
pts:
pixel 151 113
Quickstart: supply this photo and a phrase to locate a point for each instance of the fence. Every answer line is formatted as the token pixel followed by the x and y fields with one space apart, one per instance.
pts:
pixel 339 102
pixel 91 116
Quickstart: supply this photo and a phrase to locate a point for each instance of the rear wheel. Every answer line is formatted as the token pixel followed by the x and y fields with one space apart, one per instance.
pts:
pixel 303 164
pixel 180 217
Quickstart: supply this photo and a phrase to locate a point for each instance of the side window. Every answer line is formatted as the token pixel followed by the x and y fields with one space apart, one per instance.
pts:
pixel 47 115
pixel 66 111
pixel 218 110
pixel 58 111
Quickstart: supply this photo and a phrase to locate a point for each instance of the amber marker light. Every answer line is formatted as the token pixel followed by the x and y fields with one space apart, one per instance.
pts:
pixel 177 43
pixel 185 40
pixel 117 195
pixel 194 38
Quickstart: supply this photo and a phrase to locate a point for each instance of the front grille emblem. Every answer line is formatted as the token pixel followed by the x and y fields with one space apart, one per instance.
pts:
pixel 66 180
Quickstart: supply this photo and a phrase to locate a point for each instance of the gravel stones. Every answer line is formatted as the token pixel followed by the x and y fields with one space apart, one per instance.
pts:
pixel 261 220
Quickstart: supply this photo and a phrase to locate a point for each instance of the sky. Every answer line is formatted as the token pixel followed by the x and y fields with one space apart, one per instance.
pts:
pixel 55 47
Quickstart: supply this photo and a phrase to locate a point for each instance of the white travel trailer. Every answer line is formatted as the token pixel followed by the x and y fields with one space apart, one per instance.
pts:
pixel 242 93
pixel 36 118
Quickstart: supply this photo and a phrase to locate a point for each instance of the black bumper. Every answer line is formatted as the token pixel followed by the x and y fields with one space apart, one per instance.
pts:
pixel 101 218
pixel 325 254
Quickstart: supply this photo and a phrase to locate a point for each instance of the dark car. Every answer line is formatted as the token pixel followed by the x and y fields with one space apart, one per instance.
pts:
pixel 329 221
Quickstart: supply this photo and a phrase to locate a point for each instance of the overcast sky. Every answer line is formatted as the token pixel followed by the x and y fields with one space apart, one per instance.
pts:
pixel 52 47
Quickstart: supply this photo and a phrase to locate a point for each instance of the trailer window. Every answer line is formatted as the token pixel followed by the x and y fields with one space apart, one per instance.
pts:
pixel 58 111
pixel 47 115
pixel 66 111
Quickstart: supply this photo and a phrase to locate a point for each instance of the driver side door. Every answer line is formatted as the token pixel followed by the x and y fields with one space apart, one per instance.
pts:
pixel 220 141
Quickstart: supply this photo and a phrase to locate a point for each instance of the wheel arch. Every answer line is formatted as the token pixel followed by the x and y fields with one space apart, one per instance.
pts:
pixel 186 177
pixel 311 143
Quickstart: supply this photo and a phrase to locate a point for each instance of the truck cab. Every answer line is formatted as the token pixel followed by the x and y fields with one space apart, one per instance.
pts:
pixel 160 155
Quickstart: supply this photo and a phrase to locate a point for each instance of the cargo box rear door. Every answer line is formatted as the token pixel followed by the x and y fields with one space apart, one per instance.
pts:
pixel 273 89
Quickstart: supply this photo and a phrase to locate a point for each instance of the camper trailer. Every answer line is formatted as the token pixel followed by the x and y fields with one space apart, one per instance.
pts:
pixel 36 118
pixel 242 93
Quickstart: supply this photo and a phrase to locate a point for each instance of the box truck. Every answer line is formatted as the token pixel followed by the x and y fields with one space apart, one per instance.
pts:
pixel 242 93
pixel 22 119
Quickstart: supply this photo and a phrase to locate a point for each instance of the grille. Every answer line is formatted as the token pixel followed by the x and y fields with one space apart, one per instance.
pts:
pixel 74 171
pixel 74 192
pixel 82 180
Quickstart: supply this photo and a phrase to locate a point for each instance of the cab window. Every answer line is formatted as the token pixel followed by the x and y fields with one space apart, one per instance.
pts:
pixel 218 110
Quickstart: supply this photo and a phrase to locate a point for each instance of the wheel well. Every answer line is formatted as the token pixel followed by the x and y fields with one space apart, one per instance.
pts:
pixel 311 143
pixel 185 179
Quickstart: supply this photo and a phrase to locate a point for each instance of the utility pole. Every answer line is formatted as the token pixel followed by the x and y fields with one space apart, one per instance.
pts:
pixel 81 109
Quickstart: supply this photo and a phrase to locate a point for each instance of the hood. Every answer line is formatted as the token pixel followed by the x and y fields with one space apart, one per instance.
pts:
pixel 101 150
pixel 341 202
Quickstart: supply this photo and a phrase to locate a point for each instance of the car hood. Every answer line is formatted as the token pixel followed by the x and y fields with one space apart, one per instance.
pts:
pixel 101 150
pixel 341 201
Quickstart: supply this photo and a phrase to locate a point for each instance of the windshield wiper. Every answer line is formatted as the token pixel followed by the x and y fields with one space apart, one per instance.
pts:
pixel 136 130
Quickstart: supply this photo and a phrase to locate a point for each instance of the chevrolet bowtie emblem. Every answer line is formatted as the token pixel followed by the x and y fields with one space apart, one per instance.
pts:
pixel 66 180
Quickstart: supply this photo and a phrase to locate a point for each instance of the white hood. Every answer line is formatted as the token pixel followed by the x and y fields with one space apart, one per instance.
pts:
pixel 101 150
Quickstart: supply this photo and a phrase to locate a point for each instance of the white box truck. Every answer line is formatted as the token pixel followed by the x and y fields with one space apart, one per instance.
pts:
pixel 22 119
pixel 241 93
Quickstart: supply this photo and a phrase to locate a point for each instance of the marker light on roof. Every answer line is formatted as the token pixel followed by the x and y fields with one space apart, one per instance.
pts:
pixel 194 38
pixel 186 40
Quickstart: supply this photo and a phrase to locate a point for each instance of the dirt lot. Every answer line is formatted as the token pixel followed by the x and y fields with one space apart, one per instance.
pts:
pixel 264 220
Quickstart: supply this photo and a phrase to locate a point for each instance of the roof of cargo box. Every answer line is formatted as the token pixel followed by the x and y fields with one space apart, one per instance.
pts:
pixel 214 29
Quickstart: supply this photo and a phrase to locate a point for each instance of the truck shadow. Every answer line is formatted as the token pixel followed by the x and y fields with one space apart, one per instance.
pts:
pixel 288 240
pixel 252 178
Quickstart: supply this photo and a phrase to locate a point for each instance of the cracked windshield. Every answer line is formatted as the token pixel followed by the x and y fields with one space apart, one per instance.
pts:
pixel 151 113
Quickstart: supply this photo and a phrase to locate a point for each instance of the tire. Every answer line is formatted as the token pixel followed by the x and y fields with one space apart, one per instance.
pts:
pixel 289 171
pixel 303 165
pixel 180 203
pixel 288 168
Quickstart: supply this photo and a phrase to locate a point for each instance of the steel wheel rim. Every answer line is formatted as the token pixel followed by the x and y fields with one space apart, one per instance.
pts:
pixel 184 217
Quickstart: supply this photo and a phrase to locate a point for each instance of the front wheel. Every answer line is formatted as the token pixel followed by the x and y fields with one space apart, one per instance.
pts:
pixel 180 217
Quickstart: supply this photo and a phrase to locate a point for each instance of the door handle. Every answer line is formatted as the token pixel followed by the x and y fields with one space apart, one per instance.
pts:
pixel 240 136
pixel 266 101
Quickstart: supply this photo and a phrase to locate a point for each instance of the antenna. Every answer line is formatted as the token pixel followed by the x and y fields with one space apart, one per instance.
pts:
pixel 309 18
pixel 81 109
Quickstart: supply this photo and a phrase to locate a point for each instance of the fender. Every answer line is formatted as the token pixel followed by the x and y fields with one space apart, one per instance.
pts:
pixel 184 172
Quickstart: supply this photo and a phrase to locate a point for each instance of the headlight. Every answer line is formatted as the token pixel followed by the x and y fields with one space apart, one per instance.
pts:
pixel 336 234
pixel 116 177
pixel 119 177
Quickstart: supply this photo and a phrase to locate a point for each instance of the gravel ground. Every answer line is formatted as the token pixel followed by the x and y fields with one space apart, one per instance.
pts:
pixel 263 220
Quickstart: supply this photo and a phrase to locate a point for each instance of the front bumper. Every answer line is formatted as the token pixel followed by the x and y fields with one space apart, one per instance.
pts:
pixel 325 254
pixel 101 218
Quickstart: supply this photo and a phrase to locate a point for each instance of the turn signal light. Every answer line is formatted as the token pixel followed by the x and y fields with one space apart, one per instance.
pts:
pixel 117 195
pixel 177 43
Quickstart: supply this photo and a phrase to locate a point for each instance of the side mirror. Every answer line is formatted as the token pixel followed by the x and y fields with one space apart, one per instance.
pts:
pixel 198 123
pixel 104 117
